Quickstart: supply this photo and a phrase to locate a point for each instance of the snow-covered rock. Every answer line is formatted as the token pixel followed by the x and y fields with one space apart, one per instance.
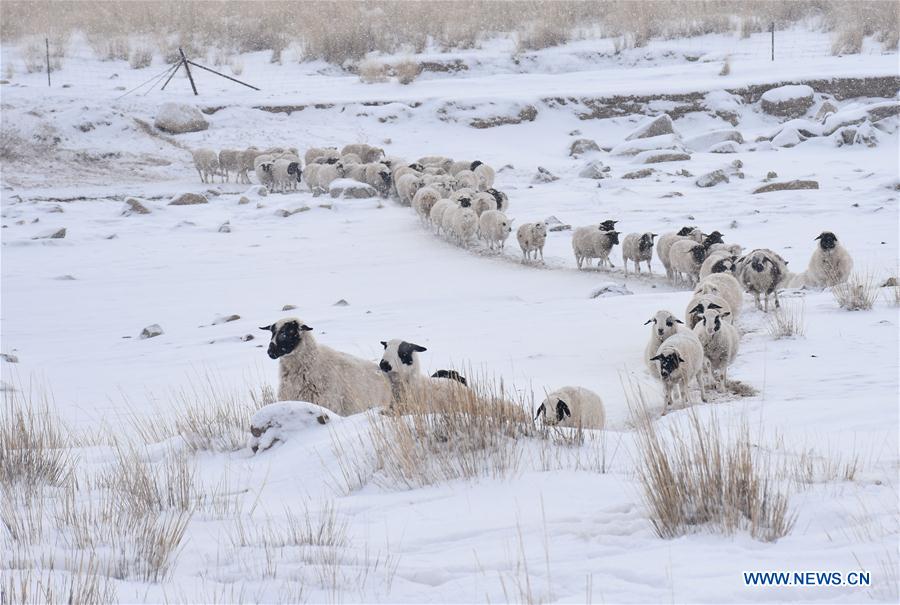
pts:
pixel 257 190
pixel 706 140
pixel 639 174
pixel 790 101
pixel 134 206
pixel 711 179
pixel 852 117
pixel 725 147
pixel 51 234
pixel 863 134
pixel 724 104
pixel 787 186
pixel 663 141
pixel 151 331
pixel 652 127
pixel 279 422
pixel 788 137
pixel 656 156
pixel 284 212
pixel 594 170
pixel 544 176
pixel 582 146
pixel 825 109
pixel 189 199
pixel 178 118
pixel 350 189
pixel 610 289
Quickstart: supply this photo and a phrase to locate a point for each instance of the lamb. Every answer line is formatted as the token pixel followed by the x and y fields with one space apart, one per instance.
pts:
pixel 532 237
pixel 699 304
pixel 720 340
pixel 229 161
pixel 484 173
pixel 286 174
pixel 637 248
pixel 762 271
pixel 321 155
pixel 309 371
pixel 400 365
pixel 407 185
pixel 665 324
pixel 464 225
pixel 592 242
pixel 726 286
pixel 207 164
pixel 573 406
pixel 830 264
pixel 686 256
pixel 664 243
pixel 494 228
pixel 718 261
pixel 680 361
pixel 366 153
pixel 424 200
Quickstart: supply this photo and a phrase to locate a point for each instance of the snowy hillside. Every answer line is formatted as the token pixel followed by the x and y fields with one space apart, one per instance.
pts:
pixel 131 479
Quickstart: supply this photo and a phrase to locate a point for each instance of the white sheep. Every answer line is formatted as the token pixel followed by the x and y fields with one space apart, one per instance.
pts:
pixel 484 173
pixel 686 257
pixel 441 163
pixel 246 164
pixel 830 264
pixel 229 161
pixel 664 324
pixel 262 167
pixel 699 304
pixel 286 174
pixel 366 153
pixel 436 215
pixel 459 165
pixel 593 241
pixel 573 406
pixel 407 185
pixel 720 340
pixel 718 261
pixel 726 286
pixel 532 237
pixel 763 271
pixel 482 202
pixel 378 175
pixel 464 225
pixel 494 228
pixel 400 365
pixel 309 371
pixel 424 200
pixel 444 183
pixel 321 155
pixel 467 179
pixel 665 241
pixel 638 248
pixel 502 199
pixel 680 361
pixel 207 164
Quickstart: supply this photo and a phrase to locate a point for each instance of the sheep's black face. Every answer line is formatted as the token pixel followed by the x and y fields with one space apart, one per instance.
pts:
pixel 562 410
pixel 646 242
pixel 726 265
pixel 612 237
pixel 608 225
pixel 465 202
pixel 498 197
pixel 758 263
pixel 685 231
pixel 405 352
pixel 385 366
pixel 285 337
pixel 713 238
pixel 294 169
pixel 827 240
pixel 668 364
pixel 386 178
pixel 475 164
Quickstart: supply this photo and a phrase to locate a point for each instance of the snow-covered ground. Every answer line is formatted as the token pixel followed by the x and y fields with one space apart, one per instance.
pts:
pixel 73 308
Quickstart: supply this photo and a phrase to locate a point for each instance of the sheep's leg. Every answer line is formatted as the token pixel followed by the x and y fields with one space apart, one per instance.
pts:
pixel 702 390
pixel 777 304
pixel 756 300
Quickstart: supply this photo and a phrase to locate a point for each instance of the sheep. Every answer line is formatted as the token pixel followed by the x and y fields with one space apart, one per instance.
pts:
pixel 762 271
pixel 262 167
pixel 285 174
pixel 665 241
pixel 400 365
pixel 532 237
pixel 732 249
pixel 443 164
pixel 312 372
pixel 444 183
pixel 482 202
pixel 467 179
pixel 321 155
pixel 436 216
pixel 680 361
pixel 699 304
pixel 459 165
pixel 462 194
pixel 830 264
pixel 637 248
pixel 494 228
pixel 720 340
pixel 320 176
pixel 424 200
pixel 378 176
pixel 407 185
pixel 366 153
pixel 665 324
pixel 572 406
pixel 726 286
pixel 484 173
pixel 686 257
pixel 502 199
pixel 464 224
pixel 593 241
pixel 350 159
pixel 229 161
pixel 718 261
pixel 207 164
pixel 247 158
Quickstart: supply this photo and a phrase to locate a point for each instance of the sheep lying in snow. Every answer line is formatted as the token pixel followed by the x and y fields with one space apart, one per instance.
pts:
pixel 665 324
pixel 720 342
pixel 637 248
pixel 830 264
pixel 594 241
pixel 532 237
pixel 207 164
pixel 573 406
pixel 680 362
pixel 762 271
pixel 400 364
pixel 494 228
pixel 309 371
pixel 279 421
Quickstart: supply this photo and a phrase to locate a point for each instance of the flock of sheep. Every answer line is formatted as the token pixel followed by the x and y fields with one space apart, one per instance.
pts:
pixel 459 201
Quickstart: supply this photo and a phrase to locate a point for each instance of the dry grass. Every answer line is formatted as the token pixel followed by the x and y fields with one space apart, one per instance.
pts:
pixel 140 57
pixel 726 67
pixel 858 293
pixel 852 22
pixel 236 65
pixel 406 71
pixel 372 71
pixel 788 321
pixel 83 586
pixel 701 477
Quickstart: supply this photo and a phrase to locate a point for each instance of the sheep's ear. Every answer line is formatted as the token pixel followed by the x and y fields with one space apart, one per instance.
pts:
pixel 267 328
pixel 652 235
pixel 656 357
pixel 305 328
pixel 384 344
pixel 680 360
pixel 562 410
pixel 713 306
pixel 697 309
pixel 819 237
pixel 417 348
pixel 652 319
pixel 540 410
pixel 725 314
pixel 678 321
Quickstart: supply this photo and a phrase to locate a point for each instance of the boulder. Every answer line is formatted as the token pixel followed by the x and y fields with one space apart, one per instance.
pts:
pixel 610 289
pixel 178 118
pixel 704 141
pixel 244 200
pixel 259 190
pixel 544 176
pixel 639 174
pixel 134 206
pixel 863 134
pixel 789 137
pixel 582 146
pixel 657 156
pixel 279 422
pixel 554 224
pixel 725 147
pixel 151 331
pixel 222 319
pixel 284 213
pixel 9 358
pixel 787 186
pixel 826 109
pixel 594 170
pixel 711 179
pixel 724 105
pixel 225 227
pixel 51 234
pixel 350 189
pixel 787 101
pixel 652 127
pixel 663 141
pixel 189 199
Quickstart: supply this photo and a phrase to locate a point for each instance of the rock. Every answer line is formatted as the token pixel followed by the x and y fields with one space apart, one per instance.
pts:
pixel 639 174
pixel 705 141
pixel 178 118
pixel 279 422
pixel 672 194
pixel 663 141
pixel 723 104
pixel 350 189
pixel 684 172
pixel 788 137
pixel 9 358
pixel 863 134
pixel 787 101
pixel 258 190
pixel 65 277
pixel 652 128
pixel 222 319
pixel 787 186
pixel 880 111
pixel 286 213
pixel 554 224
pixel 189 199
pixel 725 147
pixel 225 227
pixel 658 156
pixel 341 303
pixel 733 225
pixel 890 282
pixel 247 337
pixel 151 331
pixel 244 200
pixel 51 234
pixel 711 179
pixel 288 307
pixel 134 206
pixel 582 146
pixel 544 176
pixel 113 236
pixel 771 175
pixel 56 209
pixel 827 108
pixel 610 289
pixel 594 170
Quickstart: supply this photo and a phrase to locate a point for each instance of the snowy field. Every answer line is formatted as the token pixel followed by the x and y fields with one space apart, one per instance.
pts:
pixel 566 523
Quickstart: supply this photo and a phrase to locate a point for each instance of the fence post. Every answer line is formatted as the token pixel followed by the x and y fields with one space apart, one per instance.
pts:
pixel 188 70
pixel 773 40
pixel 47 45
